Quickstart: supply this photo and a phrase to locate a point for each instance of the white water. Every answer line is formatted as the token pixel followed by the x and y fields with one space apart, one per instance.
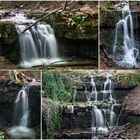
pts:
pixel 98 126
pixel 107 87
pixel 21 116
pixel 21 103
pixel 112 116
pixel 94 90
pixel 129 53
pixel 38 45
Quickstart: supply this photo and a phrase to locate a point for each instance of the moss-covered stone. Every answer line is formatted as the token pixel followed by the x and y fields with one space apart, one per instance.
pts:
pixel 127 80
pixel 108 19
pixel 9 41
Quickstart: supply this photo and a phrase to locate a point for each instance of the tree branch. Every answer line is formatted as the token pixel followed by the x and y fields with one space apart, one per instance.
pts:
pixel 60 8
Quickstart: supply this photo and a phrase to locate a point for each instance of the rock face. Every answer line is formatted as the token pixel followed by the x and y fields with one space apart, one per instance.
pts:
pixel 132 102
pixel 8 94
pixel 9 42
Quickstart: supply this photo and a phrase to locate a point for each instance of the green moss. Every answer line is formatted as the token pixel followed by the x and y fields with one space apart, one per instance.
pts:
pixel 2 135
pixel 127 79
pixel 108 19
pixel 53 118
pixel 103 8
pixel 134 120
pixel 72 25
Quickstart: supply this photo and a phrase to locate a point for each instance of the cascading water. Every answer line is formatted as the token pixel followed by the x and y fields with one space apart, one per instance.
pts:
pixel 21 116
pixel 99 116
pixel 21 107
pixel 107 87
pixel 87 93
pixel 102 111
pixel 126 44
pixel 98 124
pixel 94 90
pixel 112 116
pixel 38 45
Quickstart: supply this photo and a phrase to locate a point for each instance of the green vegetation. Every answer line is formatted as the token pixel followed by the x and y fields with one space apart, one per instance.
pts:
pixel 72 25
pixel 57 87
pixel 53 118
pixel 1 135
pixel 128 79
pixel 103 8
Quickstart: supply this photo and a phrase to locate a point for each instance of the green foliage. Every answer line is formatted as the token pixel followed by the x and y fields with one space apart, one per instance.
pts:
pixel 1 135
pixel 110 1
pixel 57 87
pixel 129 79
pixel 53 118
pixel 103 8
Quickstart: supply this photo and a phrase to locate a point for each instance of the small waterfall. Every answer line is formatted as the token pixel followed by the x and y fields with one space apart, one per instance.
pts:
pixel 21 116
pixel 98 124
pixel 93 83
pixel 129 53
pixel 21 104
pixel 107 87
pixel 87 93
pixel 38 45
pixel 112 117
pixel 94 90
pixel 41 42
pixel 112 102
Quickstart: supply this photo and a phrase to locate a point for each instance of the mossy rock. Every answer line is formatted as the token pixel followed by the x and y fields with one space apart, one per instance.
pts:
pixel 9 46
pixel 108 19
pixel 71 25
pixel 127 80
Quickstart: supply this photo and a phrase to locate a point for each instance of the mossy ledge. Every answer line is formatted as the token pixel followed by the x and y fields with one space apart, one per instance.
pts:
pixel 71 25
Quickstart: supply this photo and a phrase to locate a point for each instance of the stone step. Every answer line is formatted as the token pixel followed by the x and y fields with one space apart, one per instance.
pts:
pixel 79 115
pixel 77 134
pixel 118 95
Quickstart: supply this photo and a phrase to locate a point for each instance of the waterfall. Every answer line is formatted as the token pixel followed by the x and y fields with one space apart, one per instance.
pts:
pixel 112 116
pixel 21 116
pixel 21 104
pixel 38 45
pixel 87 93
pixel 98 124
pixel 41 42
pixel 107 87
pixel 129 52
pixel 94 90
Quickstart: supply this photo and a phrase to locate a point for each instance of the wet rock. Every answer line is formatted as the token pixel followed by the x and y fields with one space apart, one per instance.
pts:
pixel 2 121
